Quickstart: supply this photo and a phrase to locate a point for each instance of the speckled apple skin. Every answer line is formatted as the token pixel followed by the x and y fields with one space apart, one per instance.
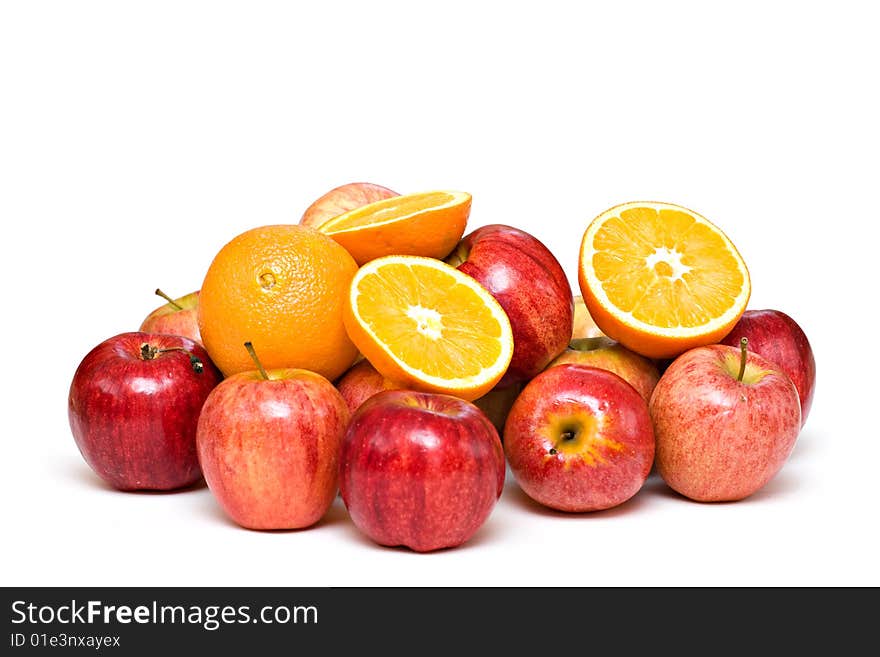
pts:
pixel 641 373
pixel 171 321
pixel 719 439
pixel 778 338
pixel 269 449
pixel 528 282
pixel 420 470
pixel 617 452
pixel 361 382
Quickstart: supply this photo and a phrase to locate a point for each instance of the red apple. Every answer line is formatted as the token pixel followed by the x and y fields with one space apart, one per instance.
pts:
pixel 419 469
pixel 725 422
pixel 269 444
pixel 579 438
pixel 528 282
pixel 606 354
pixel 361 382
pixel 778 338
pixel 133 406
pixel 342 199
pixel 177 317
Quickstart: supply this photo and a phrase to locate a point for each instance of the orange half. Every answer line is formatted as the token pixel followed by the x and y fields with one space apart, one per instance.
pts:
pixel 426 326
pixel 428 224
pixel 661 279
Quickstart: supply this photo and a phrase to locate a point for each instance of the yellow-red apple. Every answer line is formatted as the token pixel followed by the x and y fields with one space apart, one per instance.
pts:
pixel 579 438
pixel 269 444
pixel 725 421
pixel 360 382
pixel 641 373
pixel 176 317
pixel 778 338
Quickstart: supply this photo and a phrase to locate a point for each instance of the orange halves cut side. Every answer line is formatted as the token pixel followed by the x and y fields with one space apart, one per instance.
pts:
pixel 427 326
pixel 661 279
pixel 427 224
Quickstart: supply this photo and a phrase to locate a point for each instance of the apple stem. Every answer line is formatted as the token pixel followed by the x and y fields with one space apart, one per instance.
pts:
pixel 171 302
pixel 250 349
pixel 566 436
pixel 743 350
pixel 197 364
pixel 149 352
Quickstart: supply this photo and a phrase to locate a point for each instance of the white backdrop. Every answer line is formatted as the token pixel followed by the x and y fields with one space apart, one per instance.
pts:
pixel 136 139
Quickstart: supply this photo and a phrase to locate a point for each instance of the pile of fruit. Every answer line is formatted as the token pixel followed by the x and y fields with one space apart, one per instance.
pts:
pixel 376 350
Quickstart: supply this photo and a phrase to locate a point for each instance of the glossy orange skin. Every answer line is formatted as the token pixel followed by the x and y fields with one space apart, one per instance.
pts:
pixel 431 233
pixel 283 289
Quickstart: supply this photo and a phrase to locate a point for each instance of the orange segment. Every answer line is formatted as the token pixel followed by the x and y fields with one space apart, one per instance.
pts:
pixel 425 325
pixel 661 279
pixel 427 224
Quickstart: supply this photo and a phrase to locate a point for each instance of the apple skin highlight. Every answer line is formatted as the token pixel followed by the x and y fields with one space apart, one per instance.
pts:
pixel 420 470
pixel 720 439
pixel 579 438
pixel 134 417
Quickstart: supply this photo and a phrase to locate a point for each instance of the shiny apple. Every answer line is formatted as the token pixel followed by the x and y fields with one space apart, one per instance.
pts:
pixel 778 338
pixel 725 420
pixel 361 382
pixel 579 438
pixel 268 442
pixel 133 406
pixel 176 317
pixel 528 282
pixel 420 470
pixel 604 353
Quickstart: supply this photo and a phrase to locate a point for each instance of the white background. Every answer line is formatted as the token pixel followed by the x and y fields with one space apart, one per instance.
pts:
pixel 136 139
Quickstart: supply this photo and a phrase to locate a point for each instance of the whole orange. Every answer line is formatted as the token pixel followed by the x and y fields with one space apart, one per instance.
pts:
pixel 283 289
